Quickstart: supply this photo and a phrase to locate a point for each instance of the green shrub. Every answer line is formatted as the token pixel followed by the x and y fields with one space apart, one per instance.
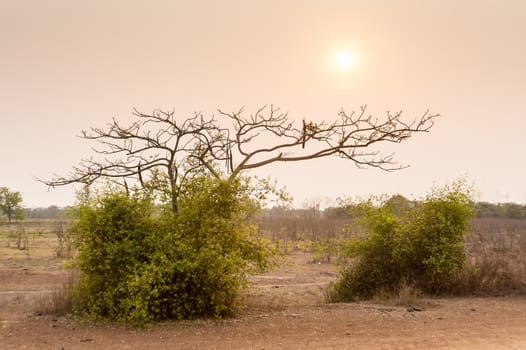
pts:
pixel 423 244
pixel 432 253
pixel 141 263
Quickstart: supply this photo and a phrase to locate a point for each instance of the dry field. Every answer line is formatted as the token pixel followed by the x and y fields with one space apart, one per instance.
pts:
pixel 284 309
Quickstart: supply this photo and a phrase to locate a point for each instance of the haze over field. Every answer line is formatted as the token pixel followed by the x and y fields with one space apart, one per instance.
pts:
pixel 66 66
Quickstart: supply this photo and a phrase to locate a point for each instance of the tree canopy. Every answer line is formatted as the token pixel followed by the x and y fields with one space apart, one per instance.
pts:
pixel 11 204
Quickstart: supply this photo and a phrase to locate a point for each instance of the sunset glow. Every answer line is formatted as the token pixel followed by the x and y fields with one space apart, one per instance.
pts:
pixel 311 59
pixel 345 60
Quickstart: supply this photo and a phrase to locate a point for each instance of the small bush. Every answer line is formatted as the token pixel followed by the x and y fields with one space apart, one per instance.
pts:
pixel 422 245
pixel 140 262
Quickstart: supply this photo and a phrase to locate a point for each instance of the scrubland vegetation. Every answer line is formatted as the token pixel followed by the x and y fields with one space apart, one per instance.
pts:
pixel 168 226
pixel 443 244
pixel 137 266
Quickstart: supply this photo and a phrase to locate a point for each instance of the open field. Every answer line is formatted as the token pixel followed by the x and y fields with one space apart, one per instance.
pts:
pixel 284 309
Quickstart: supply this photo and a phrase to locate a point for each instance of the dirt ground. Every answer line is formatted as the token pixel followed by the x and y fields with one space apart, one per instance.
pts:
pixel 284 309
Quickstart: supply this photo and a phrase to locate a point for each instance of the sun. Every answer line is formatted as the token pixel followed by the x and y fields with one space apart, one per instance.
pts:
pixel 344 60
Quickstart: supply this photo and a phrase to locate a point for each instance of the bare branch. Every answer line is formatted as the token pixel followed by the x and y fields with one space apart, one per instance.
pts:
pixel 345 137
pixel 181 148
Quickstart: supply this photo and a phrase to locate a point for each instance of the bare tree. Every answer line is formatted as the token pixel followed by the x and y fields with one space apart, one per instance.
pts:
pixel 158 143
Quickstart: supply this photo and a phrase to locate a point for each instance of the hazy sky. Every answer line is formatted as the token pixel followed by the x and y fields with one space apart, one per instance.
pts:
pixel 68 65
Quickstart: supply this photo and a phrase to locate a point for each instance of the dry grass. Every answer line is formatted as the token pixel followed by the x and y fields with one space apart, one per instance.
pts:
pixel 37 247
pixel 490 277
pixel 306 226
pixel 36 238
pixel 496 250
pixel 61 299
pixel 406 295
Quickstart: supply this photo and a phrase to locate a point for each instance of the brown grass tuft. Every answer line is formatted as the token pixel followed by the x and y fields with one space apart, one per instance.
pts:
pixel 496 252
pixel 406 295
pixel 60 301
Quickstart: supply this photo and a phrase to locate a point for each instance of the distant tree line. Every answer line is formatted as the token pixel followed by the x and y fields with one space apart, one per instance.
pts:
pixel 481 209
pixel 51 212
pixel 500 210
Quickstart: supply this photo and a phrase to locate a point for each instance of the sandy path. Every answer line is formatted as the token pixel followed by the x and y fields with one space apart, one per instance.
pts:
pixel 285 310
pixel 486 323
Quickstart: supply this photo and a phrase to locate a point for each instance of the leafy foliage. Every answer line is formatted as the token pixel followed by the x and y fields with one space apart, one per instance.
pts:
pixel 140 263
pixel 421 243
pixel 11 204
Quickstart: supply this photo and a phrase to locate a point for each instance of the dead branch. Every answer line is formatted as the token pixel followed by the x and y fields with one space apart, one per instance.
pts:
pixel 182 148
pixel 350 137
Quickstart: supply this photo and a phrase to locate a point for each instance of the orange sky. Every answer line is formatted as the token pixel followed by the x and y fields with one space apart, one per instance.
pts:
pixel 68 65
